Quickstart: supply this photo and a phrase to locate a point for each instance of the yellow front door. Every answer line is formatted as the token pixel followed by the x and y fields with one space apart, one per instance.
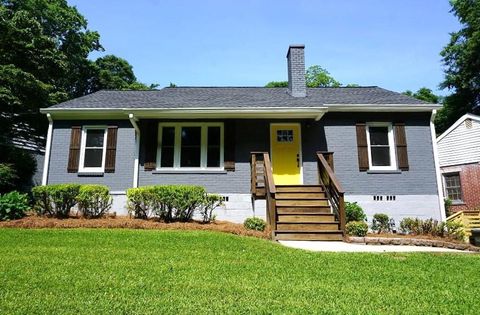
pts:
pixel 285 142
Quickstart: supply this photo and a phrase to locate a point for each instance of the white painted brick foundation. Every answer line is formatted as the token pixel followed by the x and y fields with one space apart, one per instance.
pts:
pixel 419 206
pixel 236 209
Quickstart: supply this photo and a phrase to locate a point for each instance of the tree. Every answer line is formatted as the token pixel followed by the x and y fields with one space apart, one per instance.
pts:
pixel 424 94
pixel 43 59
pixel 114 73
pixel 276 84
pixel 316 76
pixel 461 58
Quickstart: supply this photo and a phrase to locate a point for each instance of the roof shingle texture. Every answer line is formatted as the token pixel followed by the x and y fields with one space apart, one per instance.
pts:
pixel 237 97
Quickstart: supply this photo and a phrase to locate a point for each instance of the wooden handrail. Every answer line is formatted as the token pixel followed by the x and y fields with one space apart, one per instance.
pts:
pixel 453 216
pixel 333 189
pixel 268 174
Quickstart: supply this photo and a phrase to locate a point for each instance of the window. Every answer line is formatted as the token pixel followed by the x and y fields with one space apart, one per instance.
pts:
pixel 453 187
pixel 93 145
pixel 285 135
pixel 381 150
pixel 190 146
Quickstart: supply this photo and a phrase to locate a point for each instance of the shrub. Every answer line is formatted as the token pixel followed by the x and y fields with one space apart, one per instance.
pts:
pixel 55 200
pixel 353 212
pixel 211 202
pixel 357 228
pixel 94 200
pixel 171 202
pixel 380 223
pixel 455 230
pixel 410 225
pixel 7 177
pixel 13 205
pixel 141 201
pixel 256 224
pixel 448 206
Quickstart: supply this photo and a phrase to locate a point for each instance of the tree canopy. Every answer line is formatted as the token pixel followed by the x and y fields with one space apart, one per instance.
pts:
pixel 424 94
pixel 315 76
pixel 461 59
pixel 44 51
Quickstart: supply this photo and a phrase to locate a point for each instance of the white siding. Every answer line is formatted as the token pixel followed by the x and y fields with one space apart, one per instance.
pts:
pixel 461 145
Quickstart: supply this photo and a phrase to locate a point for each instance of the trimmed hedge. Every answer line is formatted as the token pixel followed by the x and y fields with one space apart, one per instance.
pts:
pixel 55 200
pixel 172 202
pixel 94 201
pixel 13 205
pixel 381 223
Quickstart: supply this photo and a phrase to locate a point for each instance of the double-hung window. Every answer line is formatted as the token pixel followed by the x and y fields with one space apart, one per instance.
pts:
pixel 93 148
pixel 190 146
pixel 381 147
pixel 453 187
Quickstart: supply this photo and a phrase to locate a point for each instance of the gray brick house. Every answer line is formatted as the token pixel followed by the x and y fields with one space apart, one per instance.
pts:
pixel 380 144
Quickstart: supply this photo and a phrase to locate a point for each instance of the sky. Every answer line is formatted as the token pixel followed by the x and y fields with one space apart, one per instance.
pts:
pixel 394 44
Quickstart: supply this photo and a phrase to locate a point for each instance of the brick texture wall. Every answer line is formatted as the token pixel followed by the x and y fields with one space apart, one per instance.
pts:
pixel 470 183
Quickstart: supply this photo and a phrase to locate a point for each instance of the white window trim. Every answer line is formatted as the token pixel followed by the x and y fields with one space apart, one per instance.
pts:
pixel 391 144
pixel 81 168
pixel 445 191
pixel 178 141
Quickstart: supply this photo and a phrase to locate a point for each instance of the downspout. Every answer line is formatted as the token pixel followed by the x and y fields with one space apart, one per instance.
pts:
pixel 441 202
pixel 48 148
pixel 133 121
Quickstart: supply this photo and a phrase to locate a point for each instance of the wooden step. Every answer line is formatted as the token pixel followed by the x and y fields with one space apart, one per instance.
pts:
pixel 307 226
pixel 302 203
pixel 299 188
pixel 304 210
pixel 324 235
pixel 318 218
pixel 300 196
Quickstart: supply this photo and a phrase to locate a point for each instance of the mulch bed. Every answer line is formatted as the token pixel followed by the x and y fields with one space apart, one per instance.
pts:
pixel 38 222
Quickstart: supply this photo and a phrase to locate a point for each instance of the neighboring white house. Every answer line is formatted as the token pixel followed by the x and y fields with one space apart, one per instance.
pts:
pixel 459 157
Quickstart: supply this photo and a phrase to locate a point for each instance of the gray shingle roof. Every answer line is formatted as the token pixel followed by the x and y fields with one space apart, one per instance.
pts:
pixel 237 97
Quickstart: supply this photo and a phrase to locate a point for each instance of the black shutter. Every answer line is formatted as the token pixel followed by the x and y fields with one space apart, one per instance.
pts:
pixel 151 143
pixel 362 147
pixel 111 149
pixel 401 144
pixel 74 152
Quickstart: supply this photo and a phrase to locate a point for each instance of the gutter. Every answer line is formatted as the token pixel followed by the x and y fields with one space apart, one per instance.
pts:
pixel 48 149
pixel 133 121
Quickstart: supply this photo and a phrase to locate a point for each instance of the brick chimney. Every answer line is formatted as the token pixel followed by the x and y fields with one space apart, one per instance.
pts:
pixel 296 71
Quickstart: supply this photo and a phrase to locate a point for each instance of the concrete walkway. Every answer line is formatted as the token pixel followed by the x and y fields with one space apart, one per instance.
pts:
pixel 319 246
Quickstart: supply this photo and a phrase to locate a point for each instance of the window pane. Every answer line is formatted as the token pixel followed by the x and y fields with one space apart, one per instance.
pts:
pixel 191 136
pixel 190 151
pixel 380 156
pixel 213 147
pixel 452 185
pixel 213 136
pixel 190 157
pixel 168 136
pixel 93 158
pixel 378 135
pixel 95 138
pixel 167 157
pixel 213 157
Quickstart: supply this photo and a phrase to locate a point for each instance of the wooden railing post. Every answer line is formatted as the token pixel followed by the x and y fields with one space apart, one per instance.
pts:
pixel 253 165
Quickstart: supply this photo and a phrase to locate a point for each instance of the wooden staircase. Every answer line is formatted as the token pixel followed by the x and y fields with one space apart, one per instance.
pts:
pixel 297 212
pixel 469 218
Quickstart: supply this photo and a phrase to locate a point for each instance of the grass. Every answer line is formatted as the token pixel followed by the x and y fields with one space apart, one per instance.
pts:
pixel 87 271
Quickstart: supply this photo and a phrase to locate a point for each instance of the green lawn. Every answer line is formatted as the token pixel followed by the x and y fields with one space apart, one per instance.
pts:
pixel 143 271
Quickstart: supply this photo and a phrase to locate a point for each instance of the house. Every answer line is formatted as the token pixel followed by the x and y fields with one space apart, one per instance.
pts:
pixel 293 155
pixel 459 157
